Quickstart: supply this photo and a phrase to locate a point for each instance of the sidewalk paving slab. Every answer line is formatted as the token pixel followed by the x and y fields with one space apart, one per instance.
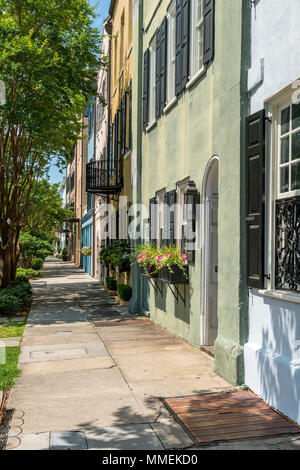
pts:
pixel 34 441
pixel 131 437
pixel 11 342
pixel 76 399
pixel 56 352
pixel 60 337
pixel 68 441
pixel 52 367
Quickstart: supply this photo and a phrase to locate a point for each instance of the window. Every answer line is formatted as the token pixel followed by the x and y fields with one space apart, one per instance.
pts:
pixel 289 150
pixel 130 23
pixel 196 35
pixel 122 44
pixel 287 206
pixel 152 78
pixel 115 52
pixel 171 52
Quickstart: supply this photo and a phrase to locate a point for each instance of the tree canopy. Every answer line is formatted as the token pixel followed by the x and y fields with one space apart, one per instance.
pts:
pixel 49 52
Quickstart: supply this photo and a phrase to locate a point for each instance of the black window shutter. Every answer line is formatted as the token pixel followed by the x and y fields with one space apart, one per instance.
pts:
pixel 168 235
pixel 172 202
pixel 209 30
pixel 130 117
pixel 157 73
pixel 185 42
pixel 124 121
pixel 116 139
pixel 146 90
pixel 178 64
pixel 255 188
pixel 153 219
pixel 163 64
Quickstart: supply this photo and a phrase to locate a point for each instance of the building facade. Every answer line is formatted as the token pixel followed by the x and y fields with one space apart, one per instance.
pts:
pixel 272 352
pixel 76 197
pixel 103 119
pixel 190 142
pixel 109 173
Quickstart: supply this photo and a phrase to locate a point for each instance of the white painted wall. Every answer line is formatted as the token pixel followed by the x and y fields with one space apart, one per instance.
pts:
pixel 275 38
pixel 272 354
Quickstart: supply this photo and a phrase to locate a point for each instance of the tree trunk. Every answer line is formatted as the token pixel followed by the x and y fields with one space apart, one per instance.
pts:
pixel 6 269
pixel 10 257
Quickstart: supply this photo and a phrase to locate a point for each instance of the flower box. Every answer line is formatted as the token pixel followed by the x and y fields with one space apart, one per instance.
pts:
pixel 147 273
pixel 178 276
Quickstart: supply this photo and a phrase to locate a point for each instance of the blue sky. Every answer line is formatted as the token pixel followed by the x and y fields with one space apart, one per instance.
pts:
pixel 102 11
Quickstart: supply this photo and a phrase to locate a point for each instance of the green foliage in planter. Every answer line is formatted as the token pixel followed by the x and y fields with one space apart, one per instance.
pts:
pixel 86 251
pixel 37 264
pixel 125 292
pixel 116 255
pixel 64 255
pixel 152 259
pixel 111 283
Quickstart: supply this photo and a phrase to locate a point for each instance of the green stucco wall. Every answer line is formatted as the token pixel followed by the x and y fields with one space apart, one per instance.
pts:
pixel 206 121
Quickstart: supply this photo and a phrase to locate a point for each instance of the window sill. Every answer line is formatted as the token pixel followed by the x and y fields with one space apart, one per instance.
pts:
pixel 121 73
pixel 151 126
pixel 196 77
pixel 279 295
pixel 129 52
pixel 170 105
pixel 128 154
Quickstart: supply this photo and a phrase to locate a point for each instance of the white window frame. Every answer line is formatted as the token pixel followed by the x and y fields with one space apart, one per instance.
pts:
pixel 171 58
pixel 152 81
pixel 274 106
pixel 290 133
pixel 160 197
pixel 196 28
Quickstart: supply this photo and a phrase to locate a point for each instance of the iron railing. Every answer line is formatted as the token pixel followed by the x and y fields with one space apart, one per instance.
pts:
pixel 288 244
pixel 104 177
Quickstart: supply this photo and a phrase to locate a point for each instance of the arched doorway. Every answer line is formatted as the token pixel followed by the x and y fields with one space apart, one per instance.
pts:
pixel 210 204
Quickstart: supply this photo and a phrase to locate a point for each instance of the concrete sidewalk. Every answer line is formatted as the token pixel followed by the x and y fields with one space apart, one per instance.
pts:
pixel 87 387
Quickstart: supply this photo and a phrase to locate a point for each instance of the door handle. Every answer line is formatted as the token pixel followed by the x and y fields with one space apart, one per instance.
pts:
pixel 216 269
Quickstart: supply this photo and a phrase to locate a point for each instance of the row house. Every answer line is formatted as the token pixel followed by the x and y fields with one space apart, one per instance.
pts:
pixel 109 173
pixel 201 107
pixel 272 350
pixel 76 198
pixel 190 98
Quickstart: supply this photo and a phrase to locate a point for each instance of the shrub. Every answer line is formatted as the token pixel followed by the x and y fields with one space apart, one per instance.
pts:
pixel 65 256
pixel 15 296
pixel 33 247
pixel 26 274
pixel 116 255
pixel 37 264
pixel 9 303
pixel 111 283
pixel 125 292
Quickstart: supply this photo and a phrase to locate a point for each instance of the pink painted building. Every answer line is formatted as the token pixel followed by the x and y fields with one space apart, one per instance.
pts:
pixel 102 140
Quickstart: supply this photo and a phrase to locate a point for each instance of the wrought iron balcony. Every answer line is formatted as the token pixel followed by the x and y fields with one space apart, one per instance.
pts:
pixel 288 244
pixel 104 177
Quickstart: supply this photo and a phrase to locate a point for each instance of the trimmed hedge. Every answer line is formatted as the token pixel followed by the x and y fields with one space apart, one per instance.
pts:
pixel 125 292
pixel 111 283
pixel 26 274
pixel 15 297
pixel 37 264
